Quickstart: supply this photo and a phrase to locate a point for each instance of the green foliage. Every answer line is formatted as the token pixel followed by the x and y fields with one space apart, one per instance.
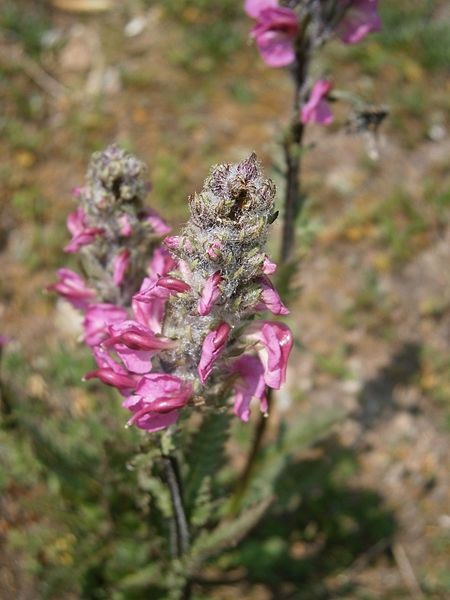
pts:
pixel 212 32
pixel 26 25
pixel 228 533
pixel 416 25
pixel 301 434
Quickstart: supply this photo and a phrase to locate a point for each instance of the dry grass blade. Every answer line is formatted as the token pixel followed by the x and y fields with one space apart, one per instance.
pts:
pixel 83 5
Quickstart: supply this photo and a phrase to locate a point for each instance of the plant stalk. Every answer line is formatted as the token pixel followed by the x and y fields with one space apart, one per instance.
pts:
pixel 293 204
pixel 181 524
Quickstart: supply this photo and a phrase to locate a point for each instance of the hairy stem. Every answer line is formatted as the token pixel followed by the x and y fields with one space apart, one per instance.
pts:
pixel 181 524
pixel 251 458
pixel 293 198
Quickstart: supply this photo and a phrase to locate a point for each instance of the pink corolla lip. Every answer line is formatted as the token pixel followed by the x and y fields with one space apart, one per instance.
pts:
pixel 316 109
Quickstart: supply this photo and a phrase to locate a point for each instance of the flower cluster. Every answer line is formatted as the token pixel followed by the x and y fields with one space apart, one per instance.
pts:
pixel 116 238
pixel 190 335
pixel 112 231
pixel 285 29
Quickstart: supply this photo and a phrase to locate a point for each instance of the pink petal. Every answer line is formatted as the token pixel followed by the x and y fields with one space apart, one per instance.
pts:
pixel 269 267
pixel 210 294
pixel 213 346
pixel 254 7
pixel 121 262
pixel 360 19
pixel 276 48
pixel 316 109
pixel 270 299
pixel 276 344
pixel 250 385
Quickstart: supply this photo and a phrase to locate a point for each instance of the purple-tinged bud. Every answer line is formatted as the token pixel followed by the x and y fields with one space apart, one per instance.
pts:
pixel 172 242
pixel 215 251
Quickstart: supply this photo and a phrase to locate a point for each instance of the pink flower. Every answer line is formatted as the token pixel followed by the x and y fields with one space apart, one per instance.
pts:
pixel 210 293
pixel 120 265
pixel 73 288
pixel 316 109
pixel 275 340
pixel 161 289
pixel 213 346
pixel 173 242
pixel 361 18
pixel 158 224
pixel 135 344
pixel 270 299
pixel 157 401
pixel 269 267
pixel 81 234
pixel 125 226
pixel 250 384
pixel 161 264
pixel 176 242
pixel 151 313
pixel 275 31
pixel 111 373
pixel 77 191
pixel 3 341
pixel 97 319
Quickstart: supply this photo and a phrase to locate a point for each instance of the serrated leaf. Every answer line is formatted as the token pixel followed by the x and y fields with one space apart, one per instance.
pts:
pixel 226 535
pixel 206 454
